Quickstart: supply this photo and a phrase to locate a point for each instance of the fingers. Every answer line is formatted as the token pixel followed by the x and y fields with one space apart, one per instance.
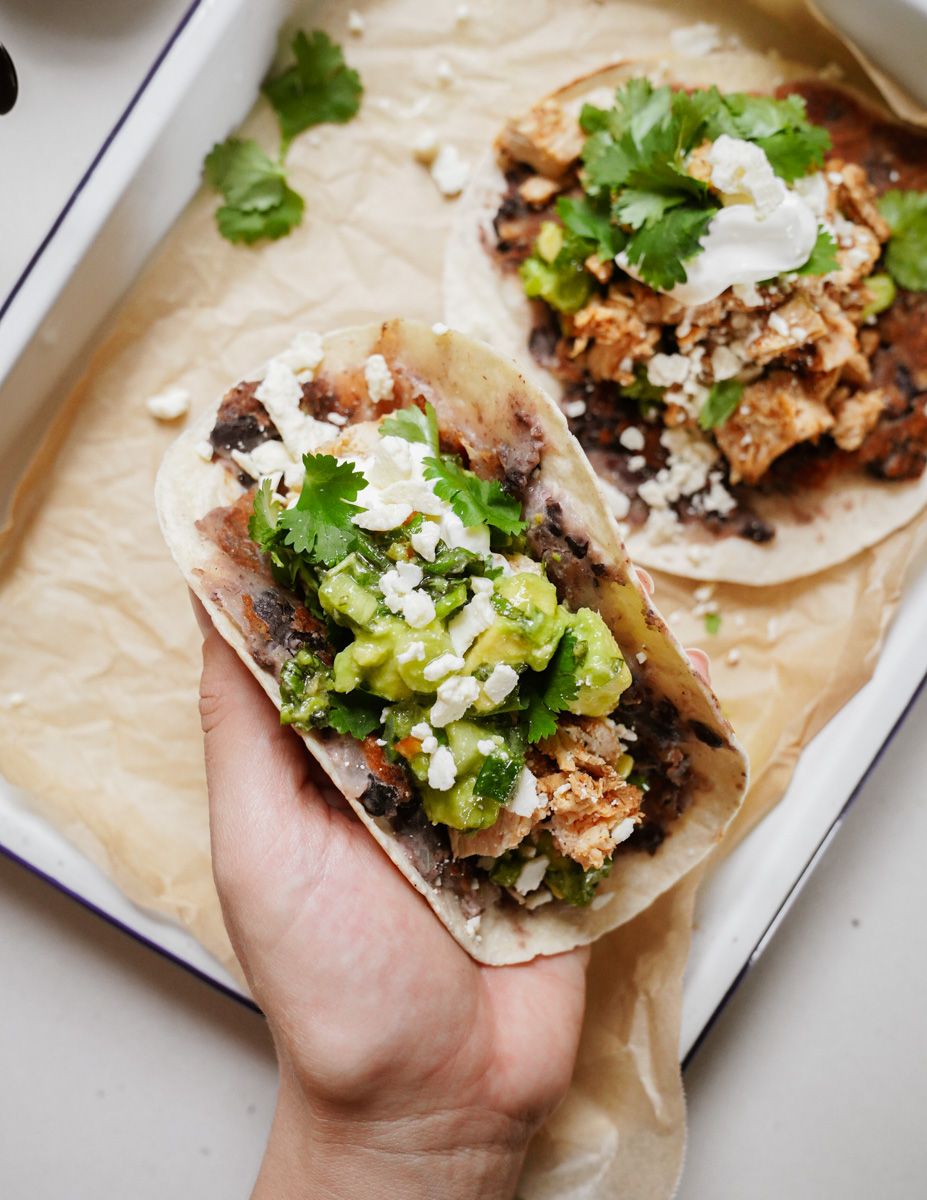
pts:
pixel 646 580
pixel 701 664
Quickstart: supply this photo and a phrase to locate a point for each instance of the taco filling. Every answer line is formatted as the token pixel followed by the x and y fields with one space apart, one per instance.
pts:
pixel 402 600
pixel 732 290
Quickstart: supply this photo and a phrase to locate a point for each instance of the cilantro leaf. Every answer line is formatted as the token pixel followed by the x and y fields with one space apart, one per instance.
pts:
pixel 712 624
pixel 320 87
pixel 823 257
pixel 722 400
pixel 537 721
pixel 355 713
pixel 413 425
pixel 652 191
pixel 560 684
pixel 476 501
pixel 660 250
pixel 794 152
pixel 320 525
pixel 607 163
pixel 239 225
pixel 262 524
pixel 906 254
pixel 585 221
pixel 755 117
pixel 648 395
pixel 245 176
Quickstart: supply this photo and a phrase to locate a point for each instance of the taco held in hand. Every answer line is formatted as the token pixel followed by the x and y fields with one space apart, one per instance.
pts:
pixel 729 290
pixel 405 544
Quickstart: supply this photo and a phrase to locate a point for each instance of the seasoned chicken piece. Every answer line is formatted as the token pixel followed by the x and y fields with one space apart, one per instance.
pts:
pixel 856 416
pixel 857 197
pixel 618 333
pixel 545 138
pixel 786 328
pixel 698 165
pixel 840 341
pixel 603 271
pixel 856 370
pixel 360 440
pixel 509 831
pixel 537 190
pixel 585 739
pixel 774 414
pixel 856 261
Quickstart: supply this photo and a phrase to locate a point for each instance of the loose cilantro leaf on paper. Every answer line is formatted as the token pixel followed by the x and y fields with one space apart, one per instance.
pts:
pixel 320 87
pixel 906 254
pixel 660 250
pixel 823 257
pixel 238 225
pixel 354 713
pixel 413 425
pixel 320 525
pixel 712 624
pixel 721 402
pixel 262 524
pixel 476 501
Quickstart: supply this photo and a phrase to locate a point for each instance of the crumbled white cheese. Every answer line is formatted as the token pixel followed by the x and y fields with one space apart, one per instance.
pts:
pixel 268 459
pixel 379 378
pixel 691 457
pixel 616 500
pixel 814 191
pixel 740 170
pixel 414 652
pixel 636 463
pixel 170 404
pixel 717 499
pixel 779 324
pixel 441 666
pixel 280 392
pixel 626 735
pixel 748 293
pixel 536 899
pixel 663 370
pixel 383 516
pixel 418 610
pixel 456 535
pixel 574 408
pixel 733 657
pixel 449 171
pixel 444 73
pixel 632 438
pixel 470 622
pixel 641 656
pixel 724 363
pixel 455 695
pixel 473 924
pixel 429 744
pixel 336 418
pixel 442 770
pixel 532 875
pixel 486 746
pixel 425 147
pixel 703 593
pixel 525 801
pixel 662 525
pixel 398 583
pixel 422 730
pixel 696 40
pixel 356 23
pixel 462 13
pixel 204 450
pixel 426 540
pixel 439 329
pixel 500 683
pixel 304 354
pixel 14 700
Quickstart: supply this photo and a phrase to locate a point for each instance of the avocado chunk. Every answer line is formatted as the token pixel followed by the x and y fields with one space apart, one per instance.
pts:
pixel 348 601
pixel 371 660
pixel 529 624
pixel 434 641
pixel 458 807
pixel 601 672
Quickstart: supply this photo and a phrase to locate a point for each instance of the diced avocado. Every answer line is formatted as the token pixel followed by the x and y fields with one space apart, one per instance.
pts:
pixel 462 737
pixel 435 641
pixel 601 672
pixel 883 291
pixel 549 241
pixel 458 807
pixel 347 600
pixel 371 660
pixel 528 626
pixel 304 686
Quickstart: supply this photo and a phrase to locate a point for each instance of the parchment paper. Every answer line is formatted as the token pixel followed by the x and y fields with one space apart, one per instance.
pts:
pixel 98 637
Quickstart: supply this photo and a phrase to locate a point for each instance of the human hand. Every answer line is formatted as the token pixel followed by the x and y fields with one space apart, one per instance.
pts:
pixel 406 1068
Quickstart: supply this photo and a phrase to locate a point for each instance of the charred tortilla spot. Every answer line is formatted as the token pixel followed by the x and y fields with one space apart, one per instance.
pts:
pixel 285 624
pixel 706 735
pixel 379 799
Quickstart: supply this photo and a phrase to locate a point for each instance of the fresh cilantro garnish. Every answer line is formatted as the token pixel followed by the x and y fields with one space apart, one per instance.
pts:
pixel 712 623
pixel 476 501
pixel 320 87
pixel 722 400
pixel 823 257
pixel 659 250
pixel 320 527
pixel 649 396
pixel 906 254
pixel 258 201
pixel 796 152
pixel 262 524
pixel 585 221
pixel 550 692
pixel 413 425
pixel 355 713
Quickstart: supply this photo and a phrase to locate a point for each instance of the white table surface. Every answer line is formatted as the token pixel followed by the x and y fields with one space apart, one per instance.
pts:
pixel 123 1076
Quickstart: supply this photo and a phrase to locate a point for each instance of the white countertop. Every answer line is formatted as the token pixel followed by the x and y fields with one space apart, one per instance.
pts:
pixel 125 1076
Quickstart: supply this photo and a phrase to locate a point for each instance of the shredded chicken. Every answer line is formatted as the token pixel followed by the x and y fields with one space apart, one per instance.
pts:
pixel 537 190
pixel 619 333
pixel 545 138
pixel 857 414
pixel 508 831
pixel 839 343
pixel 857 197
pixel 791 325
pixel 774 414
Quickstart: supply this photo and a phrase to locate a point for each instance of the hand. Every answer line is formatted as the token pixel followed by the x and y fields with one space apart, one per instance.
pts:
pixel 406 1069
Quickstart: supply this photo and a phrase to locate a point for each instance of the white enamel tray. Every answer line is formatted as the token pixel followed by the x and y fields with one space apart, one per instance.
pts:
pixel 125 198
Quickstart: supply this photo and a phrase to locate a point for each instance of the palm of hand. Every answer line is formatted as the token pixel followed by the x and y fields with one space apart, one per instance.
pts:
pixel 372 1004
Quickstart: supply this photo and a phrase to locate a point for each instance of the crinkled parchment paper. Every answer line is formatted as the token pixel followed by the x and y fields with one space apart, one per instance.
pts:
pixel 97 631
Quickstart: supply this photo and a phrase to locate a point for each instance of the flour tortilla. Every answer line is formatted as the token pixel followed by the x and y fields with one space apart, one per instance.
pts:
pixel 481 396
pixel 815 529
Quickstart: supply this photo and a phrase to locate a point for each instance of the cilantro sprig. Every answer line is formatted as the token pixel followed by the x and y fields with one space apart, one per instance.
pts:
pixel 823 258
pixel 413 425
pixel 476 501
pixel 906 254
pixel 259 203
pixel 720 403
pixel 320 526
pixel 549 693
